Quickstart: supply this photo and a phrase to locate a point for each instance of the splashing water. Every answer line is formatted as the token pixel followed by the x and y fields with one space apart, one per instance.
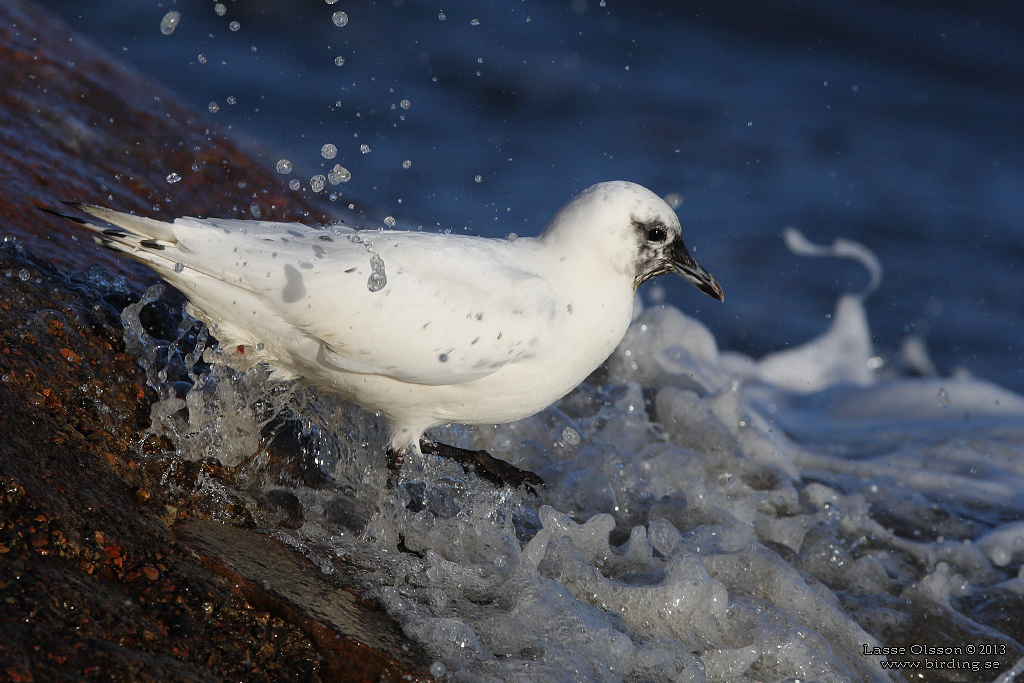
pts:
pixel 339 174
pixel 378 278
pixel 170 22
pixel 703 520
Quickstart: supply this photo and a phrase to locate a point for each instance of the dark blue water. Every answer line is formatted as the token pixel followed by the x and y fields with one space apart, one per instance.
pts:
pixel 897 124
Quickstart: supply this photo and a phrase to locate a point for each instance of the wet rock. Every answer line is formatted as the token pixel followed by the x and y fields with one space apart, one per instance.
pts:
pixel 95 583
pixel 77 126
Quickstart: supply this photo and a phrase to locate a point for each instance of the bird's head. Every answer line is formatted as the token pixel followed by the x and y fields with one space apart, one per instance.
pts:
pixel 634 229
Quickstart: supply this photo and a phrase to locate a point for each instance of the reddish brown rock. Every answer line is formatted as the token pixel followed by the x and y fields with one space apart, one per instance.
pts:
pixel 95 584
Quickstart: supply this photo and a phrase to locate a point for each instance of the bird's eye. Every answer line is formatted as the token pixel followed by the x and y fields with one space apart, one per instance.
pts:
pixel 656 235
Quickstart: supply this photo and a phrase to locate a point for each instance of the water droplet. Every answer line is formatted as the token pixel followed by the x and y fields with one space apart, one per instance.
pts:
pixel 317 182
pixel 232 100
pixel 284 166
pixel 944 399
pixel 339 18
pixel 339 174
pixel 438 670
pixel 170 22
pixel 214 107
pixel 202 59
pixel 365 149
pixel 512 237
pixel 234 26
pixel 389 221
pixel 378 278
pixel 405 104
pixel 441 16
pixel 328 151
pixel 339 60
pixel 173 178
pixel 570 436
pixel 254 209
pixel 331 2
pixel 179 267
pixel 478 178
pixel 294 184
pixel 220 9
pixel 407 164
pixel 474 22
pixel 674 199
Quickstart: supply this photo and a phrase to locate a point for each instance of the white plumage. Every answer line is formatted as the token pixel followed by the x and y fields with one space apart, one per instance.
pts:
pixel 426 328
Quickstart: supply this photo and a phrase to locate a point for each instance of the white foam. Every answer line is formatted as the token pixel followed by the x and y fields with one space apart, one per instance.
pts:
pixel 699 525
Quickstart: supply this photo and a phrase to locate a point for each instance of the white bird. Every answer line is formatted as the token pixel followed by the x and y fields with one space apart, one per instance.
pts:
pixel 425 328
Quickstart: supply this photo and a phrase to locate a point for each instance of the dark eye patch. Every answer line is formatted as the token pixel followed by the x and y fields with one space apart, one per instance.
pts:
pixel 656 235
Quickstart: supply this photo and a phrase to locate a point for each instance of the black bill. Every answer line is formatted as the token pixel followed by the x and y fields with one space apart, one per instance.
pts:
pixel 691 271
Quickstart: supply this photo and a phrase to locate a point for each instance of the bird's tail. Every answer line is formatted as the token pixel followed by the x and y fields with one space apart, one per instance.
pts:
pixel 129 233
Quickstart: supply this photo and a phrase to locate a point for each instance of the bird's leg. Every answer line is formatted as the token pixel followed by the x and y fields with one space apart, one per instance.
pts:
pixel 396 460
pixel 484 465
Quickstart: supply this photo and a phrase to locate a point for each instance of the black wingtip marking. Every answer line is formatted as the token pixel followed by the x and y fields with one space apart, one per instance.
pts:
pixel 151 244
pixel 114 232
pixel 73 219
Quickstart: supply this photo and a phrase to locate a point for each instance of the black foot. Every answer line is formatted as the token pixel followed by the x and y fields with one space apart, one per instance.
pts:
pixel 484 465
pixel 396 460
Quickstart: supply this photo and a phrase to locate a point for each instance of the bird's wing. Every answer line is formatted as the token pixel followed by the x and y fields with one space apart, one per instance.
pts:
pixel 418 307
